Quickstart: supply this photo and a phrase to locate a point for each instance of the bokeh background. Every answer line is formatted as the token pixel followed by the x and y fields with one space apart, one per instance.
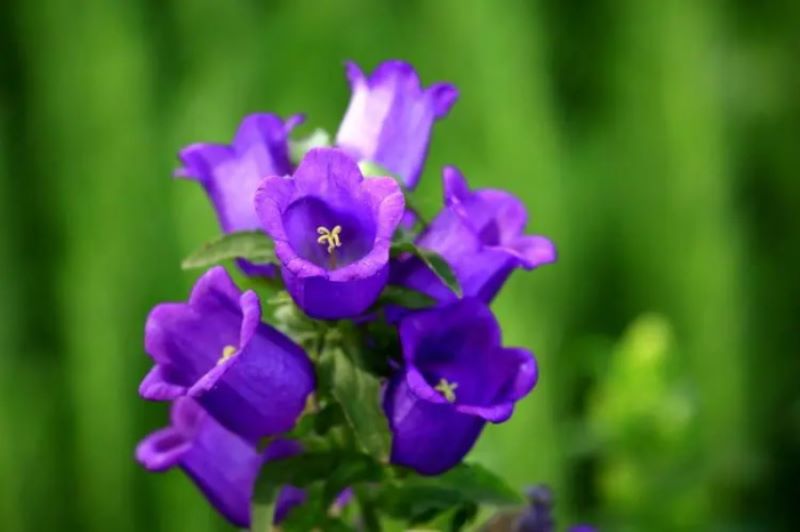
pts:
pixel 655 140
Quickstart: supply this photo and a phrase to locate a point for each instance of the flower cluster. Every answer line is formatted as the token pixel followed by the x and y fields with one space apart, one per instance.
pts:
pixel 364 337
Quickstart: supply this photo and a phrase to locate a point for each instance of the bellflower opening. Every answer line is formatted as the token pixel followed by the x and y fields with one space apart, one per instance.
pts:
pixel 456 377
pixel 332 230
pixel 390 117
pixel 248 375
pixel 231 173
pixel 481 235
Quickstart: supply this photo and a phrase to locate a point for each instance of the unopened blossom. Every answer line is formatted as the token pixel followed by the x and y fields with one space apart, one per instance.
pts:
pixel 214 348
pixel 332 230
pixel 390 117
pixel 536 517
pixel 481 234
pixel 456 376
pixel 231 173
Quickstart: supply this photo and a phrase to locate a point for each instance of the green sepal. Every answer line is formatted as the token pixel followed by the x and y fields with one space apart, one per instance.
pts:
pixel 298 148
pixel 435 262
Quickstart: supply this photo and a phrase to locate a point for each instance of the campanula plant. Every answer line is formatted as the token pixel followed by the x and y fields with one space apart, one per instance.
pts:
pixel 344 378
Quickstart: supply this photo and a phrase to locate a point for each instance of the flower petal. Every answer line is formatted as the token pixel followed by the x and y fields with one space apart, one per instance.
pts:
pixel 231 174
pixel 253 379
pixel 162 449
pixel 429 438
pixel 390 117
pixel 155 387
pixel 328 196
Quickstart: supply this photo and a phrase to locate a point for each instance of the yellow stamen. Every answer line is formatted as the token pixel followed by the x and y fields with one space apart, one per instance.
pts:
pixel 329 237
pixel 227 352
pixel 447 389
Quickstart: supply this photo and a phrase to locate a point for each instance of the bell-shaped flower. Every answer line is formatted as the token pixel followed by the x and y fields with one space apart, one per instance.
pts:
pixel 231 173
pixel 214 348
pixel 481 235
pixel 222 464
pixel 390 117
pixel 332 230
pixel 456 376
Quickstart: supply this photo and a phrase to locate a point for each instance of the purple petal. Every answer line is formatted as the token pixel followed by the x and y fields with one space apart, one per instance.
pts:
pixel 467 324
pixel 188 339
pixel 328 173
pixel 324 299
pixel 533 251
pixel 273 196
pixel 249 376
pixel 156 387
pixel 427 437
pixel 454 186
pixel 327 192
pixel 480 234
pixel 459 344
pixel 231 174
pixel 162 449
pixel 288 498
pixel 390 117
pixel 222 465
pixel 262 389
pixel 225 468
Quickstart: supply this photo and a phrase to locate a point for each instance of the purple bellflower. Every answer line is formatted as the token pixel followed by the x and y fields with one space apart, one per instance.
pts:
pixel 230 173
pixel 390 117
pixel 248 375
pixel 222 464
pixel 332 230
pixel 480 234
pixel 456 376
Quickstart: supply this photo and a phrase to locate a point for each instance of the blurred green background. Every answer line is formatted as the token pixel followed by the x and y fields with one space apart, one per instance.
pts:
pixel 655 140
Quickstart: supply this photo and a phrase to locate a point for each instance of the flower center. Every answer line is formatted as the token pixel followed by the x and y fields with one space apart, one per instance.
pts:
pixel 447 389
pixel 227 352
pixel 329 237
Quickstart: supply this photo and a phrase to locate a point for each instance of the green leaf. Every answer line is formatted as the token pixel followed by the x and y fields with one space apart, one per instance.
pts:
pixel 420 499
pixel 308 467
pixel 478 484
pixel 358 392
pixel 299 470
pixel 404 297
pixel 298 148
pixel 254 246
pixel 454 519
pixel 432 260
